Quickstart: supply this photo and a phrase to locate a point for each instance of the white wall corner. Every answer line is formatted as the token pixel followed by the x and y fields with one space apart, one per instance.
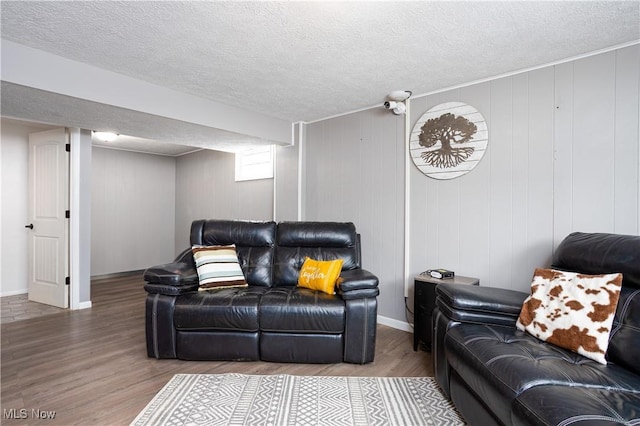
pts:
pixel 80 219
pixel 407 199
pixel 84 305
pixel 302 135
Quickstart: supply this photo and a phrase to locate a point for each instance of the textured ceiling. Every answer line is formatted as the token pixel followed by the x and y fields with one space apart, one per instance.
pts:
pixel 303 61
pixel 128 143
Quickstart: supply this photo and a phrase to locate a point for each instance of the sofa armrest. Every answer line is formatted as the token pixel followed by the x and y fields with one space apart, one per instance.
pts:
pixel 174 278
pixel 357 284
pixel 484 305
pixel 456 304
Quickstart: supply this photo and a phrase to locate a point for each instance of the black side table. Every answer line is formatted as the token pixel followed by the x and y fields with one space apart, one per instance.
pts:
pixel 424 300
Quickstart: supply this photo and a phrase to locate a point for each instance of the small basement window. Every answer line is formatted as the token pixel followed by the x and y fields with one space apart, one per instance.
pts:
pixel 255 163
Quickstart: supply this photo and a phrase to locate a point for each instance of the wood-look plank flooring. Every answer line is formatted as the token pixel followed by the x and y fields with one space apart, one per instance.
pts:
pixel 19 307
pixel 91 367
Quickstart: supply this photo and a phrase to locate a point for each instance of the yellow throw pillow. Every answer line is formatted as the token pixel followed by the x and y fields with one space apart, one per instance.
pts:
pixel 320 274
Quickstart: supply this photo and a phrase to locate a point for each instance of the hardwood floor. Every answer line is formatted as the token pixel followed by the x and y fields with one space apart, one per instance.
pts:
pixel 19 307
pixel 91 366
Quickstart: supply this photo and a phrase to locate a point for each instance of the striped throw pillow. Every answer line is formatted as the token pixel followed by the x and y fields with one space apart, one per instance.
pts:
pixel 218 267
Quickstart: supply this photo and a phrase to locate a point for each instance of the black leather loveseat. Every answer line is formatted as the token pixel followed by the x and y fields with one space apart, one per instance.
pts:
pixel 496 374
pixel 272 319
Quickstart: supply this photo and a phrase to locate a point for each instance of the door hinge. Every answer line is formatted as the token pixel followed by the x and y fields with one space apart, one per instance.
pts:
pixel 67 214
pixel 67 280
pixel 67 147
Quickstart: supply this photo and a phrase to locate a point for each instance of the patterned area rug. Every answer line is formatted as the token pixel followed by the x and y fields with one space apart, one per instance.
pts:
pixel 279 400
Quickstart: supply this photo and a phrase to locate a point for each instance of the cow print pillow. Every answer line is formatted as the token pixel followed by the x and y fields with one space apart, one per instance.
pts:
pixel 573 311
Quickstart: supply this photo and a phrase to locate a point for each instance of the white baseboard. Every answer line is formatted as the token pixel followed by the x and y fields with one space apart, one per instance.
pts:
pixel 14 292
pixel 84 305
pixel 400 325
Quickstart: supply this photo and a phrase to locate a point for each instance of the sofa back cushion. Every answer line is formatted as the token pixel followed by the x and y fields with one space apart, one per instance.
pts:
pixel 594 253
pixel 317 240
pixel 254 243
pixel 598 253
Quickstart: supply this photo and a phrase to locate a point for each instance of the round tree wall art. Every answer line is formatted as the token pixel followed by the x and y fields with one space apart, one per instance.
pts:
pixel 449 140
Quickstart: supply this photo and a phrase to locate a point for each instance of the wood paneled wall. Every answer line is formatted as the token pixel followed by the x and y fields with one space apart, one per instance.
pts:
pixel 596 144
pixel 354 168
pixel 496 221
pixel 132 210
pixel 563 156
pixel 206 189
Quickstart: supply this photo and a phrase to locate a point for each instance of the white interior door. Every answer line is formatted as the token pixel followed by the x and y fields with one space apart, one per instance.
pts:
pixel 48 204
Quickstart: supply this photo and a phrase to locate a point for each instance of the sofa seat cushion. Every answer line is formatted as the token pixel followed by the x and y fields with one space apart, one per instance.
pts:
pixel 301 347
pixel 232 309
pixel 500 363
pixel 300 310
pixel 218 345
pixel 567 405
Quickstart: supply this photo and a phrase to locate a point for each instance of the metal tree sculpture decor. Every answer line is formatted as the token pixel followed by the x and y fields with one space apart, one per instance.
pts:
pixel 449 140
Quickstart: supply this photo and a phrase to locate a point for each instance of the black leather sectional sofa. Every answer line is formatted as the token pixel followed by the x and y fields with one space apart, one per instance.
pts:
pixel 272 319
pixel 498 375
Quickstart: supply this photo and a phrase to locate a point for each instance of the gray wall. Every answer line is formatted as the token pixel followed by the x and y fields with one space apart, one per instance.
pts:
pixel 563 156
pixel 132 210
pixel 354 171
pixel 143 204
pixel 206 189
pixel 597 177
